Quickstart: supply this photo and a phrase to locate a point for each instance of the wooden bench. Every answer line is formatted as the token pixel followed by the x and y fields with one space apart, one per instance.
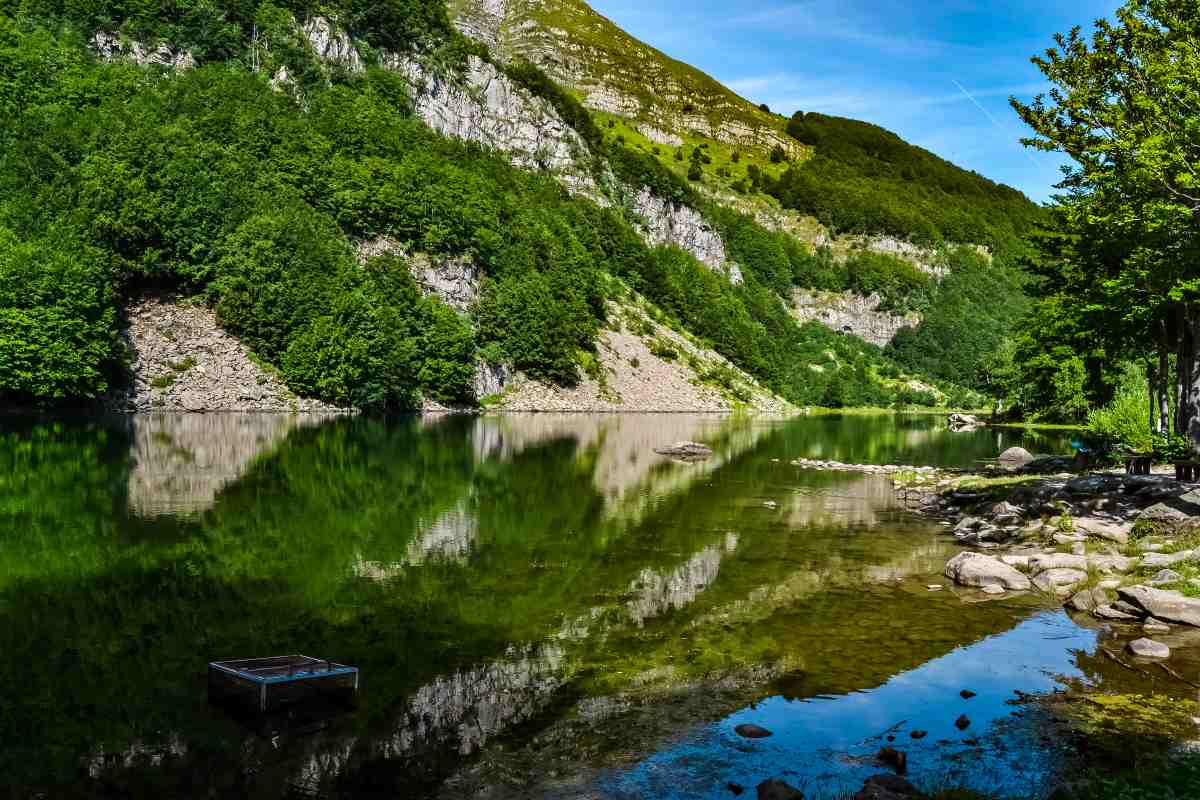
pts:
pixel 1139 464
pixel 1188 471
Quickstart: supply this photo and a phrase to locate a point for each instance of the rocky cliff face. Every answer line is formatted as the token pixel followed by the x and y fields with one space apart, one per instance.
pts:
pixel 850 313
pixel 611 71
pixel 668 223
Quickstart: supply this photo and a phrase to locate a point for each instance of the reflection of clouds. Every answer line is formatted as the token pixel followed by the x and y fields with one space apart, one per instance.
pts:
pixel 182 461
pixel 449 538
pixel 656 594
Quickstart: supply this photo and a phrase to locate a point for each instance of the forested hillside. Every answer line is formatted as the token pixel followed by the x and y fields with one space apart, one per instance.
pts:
pixel 246 168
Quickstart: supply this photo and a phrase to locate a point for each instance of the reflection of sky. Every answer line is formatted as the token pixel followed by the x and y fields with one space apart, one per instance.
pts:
pixel 825 745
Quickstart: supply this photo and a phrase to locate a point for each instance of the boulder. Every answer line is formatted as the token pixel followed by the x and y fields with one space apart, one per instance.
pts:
pixel 1016 561
pixel 775 789
pixel 1094 484
pixel 1052 580
pixel 1163 605
pixel 963 422
pixel 1163 515
pixel 1165 576
pixel 887 787
pixel 692 451
pixel 1104 529
pixel 1129 608
pixel 1148 648
pixel 1087 600
pixel 1015 458
pixel 974 569
pixel 1046 561
pixel 1113 614
pixel 1110 564
pixel 1154 626
pixel 1163 560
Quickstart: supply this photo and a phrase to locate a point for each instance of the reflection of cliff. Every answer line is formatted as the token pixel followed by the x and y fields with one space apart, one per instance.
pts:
pixel 467 708
pixel 182 461
pixel 656 594
pixel 627 470
pixel 449 537
pixel 854 503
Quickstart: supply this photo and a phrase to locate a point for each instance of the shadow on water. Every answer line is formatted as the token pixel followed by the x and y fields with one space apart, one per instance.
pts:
pixel 540 605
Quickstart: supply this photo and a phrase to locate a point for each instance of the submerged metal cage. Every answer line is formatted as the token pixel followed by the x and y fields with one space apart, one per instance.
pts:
pixel 273 684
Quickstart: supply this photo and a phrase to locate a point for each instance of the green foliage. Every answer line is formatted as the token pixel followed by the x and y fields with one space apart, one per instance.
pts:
pixel 902 286
pixel 864 179
pixel 1124 423
pixel 974 310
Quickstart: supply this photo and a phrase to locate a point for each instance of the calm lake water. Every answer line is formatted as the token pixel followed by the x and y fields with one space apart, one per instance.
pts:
pixel 540 606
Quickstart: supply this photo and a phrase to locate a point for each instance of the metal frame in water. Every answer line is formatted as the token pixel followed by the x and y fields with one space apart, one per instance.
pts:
pixel 272 684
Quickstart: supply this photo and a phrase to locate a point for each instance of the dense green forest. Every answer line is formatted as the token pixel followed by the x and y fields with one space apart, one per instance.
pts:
pixel 209 181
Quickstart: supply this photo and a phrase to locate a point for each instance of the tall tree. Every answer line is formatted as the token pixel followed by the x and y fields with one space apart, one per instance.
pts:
pixel 1125 106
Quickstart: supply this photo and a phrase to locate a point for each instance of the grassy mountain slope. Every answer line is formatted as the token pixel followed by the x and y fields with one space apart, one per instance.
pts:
pixel 218 182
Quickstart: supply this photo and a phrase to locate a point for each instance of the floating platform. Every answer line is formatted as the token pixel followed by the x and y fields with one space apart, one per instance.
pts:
pixel 278 683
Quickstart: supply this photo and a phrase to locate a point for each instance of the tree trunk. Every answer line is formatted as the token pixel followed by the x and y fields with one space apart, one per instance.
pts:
pixel 1152 393
pixel 1164 392
pixel 1187 416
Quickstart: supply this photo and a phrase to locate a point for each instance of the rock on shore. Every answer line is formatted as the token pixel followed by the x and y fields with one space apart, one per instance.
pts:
pixel 975 569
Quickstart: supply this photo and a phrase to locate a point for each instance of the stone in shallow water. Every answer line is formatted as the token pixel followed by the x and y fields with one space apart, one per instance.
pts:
pixel 1148 648
pixel 775 789
pixel 894 758
pixel 992 589
pixel 1155 626
pixel 1114 614
pixel 751 731
pixel 887 787
pixel 963 722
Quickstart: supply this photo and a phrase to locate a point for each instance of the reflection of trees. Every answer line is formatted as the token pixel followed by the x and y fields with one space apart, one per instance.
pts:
pixel 485 557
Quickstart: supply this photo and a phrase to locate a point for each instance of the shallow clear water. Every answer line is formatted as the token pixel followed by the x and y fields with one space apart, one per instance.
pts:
pixel 540 605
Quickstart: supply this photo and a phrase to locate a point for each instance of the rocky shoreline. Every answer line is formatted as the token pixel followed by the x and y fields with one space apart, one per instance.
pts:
pixel 1121 549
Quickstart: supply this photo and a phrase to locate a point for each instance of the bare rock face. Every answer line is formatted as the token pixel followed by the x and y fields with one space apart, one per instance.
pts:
pixel 331 45
pixel 974 569
pixel 850 313
pixel 184 361
pixel 113 47
pixel 679 225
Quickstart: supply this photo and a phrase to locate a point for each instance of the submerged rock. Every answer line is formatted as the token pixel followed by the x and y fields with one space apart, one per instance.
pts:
pixel 686 450
pixel 752 731
pixel 963 722
pixel 1148 648
pixel 974 569
pixel 775 789
pixel 887 787
pixel 1164 605
pixel 893 758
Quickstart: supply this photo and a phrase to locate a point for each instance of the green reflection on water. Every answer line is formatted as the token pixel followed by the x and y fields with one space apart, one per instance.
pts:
pixel 492 577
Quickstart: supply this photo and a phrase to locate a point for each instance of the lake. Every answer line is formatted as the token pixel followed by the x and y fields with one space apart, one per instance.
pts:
pixel 540 605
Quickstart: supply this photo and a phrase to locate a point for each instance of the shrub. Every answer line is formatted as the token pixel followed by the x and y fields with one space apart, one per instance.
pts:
pixel 1124 423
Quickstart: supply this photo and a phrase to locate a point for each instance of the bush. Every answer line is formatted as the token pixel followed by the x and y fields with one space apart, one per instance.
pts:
pixel 1124 424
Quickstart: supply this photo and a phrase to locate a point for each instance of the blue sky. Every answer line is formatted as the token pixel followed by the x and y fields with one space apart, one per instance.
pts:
pixel 937 73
